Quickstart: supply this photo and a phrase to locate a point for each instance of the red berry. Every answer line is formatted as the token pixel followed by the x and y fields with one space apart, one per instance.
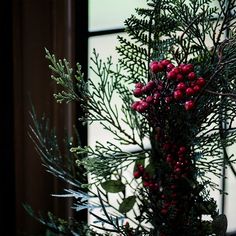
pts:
pixel 149 99
pixel 138 85
pixel 186 69
pixel 176 70
pixel 179 77
pixel 196 88
pixel 146 184
pixel 182 149
pixel 144 89
pixel 173 186
pixel 174 195
pixel 164 211
pixel 169 158
pixel 137 174
pixel 178 95
pixel 201 81
pixel 146 176
pixel 169 67
pixel 142 107
pixel 135 105
pixel 189 92
pixel 181 86
pixel 140 168
pixel 150 85
pixel 165 62
pixel 137 92
pixel 156 67
pixel 192 83
pixel 191 76
pixel 168 99
pixel 177 170
pixel 153 186
pixel 166 146
pixel 171 75
pixel 156 97
pixel 189 105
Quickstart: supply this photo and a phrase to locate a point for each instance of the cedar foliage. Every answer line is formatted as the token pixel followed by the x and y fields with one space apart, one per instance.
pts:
pixel 168 193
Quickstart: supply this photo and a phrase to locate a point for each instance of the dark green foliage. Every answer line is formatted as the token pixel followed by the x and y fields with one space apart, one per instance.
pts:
pixel 168 193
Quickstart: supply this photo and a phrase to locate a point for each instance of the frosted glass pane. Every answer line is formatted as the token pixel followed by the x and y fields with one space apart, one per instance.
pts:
pixel 105 46
pixel 110 14
pixel 230 206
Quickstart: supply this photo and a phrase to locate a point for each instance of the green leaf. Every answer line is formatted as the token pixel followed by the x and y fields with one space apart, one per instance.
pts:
pixel 113 186
pixel 127 204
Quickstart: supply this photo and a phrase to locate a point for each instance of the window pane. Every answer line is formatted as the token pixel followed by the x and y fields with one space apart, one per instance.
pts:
pixel 110 14
pixel 230 206
pixel 105 47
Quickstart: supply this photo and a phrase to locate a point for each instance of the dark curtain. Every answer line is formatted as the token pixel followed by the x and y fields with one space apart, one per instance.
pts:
pixel 27 26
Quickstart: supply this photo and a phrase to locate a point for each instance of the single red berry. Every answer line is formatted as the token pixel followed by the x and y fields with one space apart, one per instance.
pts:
pixel 201 81
pixel 168 99
pixel 149 99
pixel 179 77
pixel 146 176
pixel 178 95
pixel 137 92
pixel 166 205
pixel 192 84
pixel 169 158
pixel 178 164
pixel 135 105
pixel 169 67
pixel 150 85
pixel 181 86
pixel 182 149
pixel 196 88
pixel 142 107
pixel 166 146
pixel 146 184
pixel 191 76
pixel 138 85
pixel 140 168
pixel 181 158
pixel 171 75
pixel 156 66
pixel 164 211
pixel 173 195
pixel 137 174
pixel 177 170
pixel 165 62
pixel 186 69
pixel 173 186
pixel 156 97
pixel 176 70
pixel 154 186
pixel 189 105
pixel 189 92
pixel 163 196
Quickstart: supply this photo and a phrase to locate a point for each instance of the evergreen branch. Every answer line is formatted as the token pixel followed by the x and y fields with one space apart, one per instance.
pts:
pixel 63 77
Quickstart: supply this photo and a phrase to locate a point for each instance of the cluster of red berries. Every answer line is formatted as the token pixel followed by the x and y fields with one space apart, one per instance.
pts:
pixel 180 166
pixel 180 85
pixel 148 182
